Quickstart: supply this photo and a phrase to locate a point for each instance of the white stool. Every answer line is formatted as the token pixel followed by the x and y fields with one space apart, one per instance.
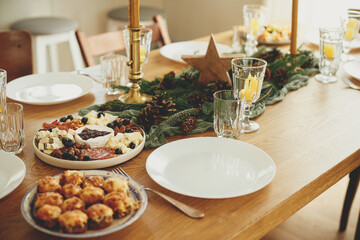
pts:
pixel 118 18
pixel 48 32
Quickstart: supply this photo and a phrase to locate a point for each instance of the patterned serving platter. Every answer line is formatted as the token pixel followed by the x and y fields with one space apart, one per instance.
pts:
pixel 137 193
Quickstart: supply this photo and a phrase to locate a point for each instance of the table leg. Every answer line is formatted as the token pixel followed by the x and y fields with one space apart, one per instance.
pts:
pixel 350 194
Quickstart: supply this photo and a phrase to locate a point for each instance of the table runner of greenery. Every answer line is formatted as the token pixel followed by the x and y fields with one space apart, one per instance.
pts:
pixel 285 73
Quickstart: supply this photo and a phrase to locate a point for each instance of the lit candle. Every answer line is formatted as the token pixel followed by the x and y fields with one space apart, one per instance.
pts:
pixel 134 16
pixel 250 89
pixel 329 51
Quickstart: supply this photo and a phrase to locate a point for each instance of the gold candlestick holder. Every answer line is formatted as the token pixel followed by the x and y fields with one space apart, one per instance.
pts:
pixel 135 95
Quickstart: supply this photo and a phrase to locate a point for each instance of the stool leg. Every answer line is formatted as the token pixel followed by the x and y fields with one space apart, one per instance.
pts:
pixel 40 55
pixel 54 57
pixel 350 194
pixel 75 51
pixel 357 233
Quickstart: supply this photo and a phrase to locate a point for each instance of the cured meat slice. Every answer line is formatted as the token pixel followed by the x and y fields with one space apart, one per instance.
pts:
pixel 99 153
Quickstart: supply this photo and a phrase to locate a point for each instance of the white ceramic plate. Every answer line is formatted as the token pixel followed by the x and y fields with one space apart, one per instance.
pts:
pixel 94 164
pixel 314 38
pixel 12 172
pixel 353 69
pixel 137 192
pixel 210 167
pixel 48 88
pixel 174 51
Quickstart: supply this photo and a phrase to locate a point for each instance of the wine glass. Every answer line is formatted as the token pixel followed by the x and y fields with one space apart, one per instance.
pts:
pixel 254 21
pixel 331 40
pixel 248 77
pixel 145 44
pixel 351 28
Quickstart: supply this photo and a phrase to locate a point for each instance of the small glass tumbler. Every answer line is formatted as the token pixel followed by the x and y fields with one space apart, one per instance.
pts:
pixel 331 40
pixel 12 130
pixel 254 21
pixel 145 44
pixel 113 72
pixel 351 27
pixel 2 89
pixel 228 114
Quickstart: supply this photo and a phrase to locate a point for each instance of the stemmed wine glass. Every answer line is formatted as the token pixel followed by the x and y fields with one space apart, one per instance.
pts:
pixel 351 28
pixel 254 21
pixel 145 44
pixel 248 77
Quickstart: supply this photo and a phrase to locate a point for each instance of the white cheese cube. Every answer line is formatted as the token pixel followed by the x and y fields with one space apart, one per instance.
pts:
pixel 48 152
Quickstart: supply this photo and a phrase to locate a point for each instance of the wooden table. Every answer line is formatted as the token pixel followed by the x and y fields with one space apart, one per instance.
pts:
pixel 313 137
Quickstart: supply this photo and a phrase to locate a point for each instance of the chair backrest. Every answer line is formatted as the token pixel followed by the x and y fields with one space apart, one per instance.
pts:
pixel 100 44
pixel 16 53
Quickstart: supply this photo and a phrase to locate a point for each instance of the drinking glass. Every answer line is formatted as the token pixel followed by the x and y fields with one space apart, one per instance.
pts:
pixel 254 21
pixel 228 114
pixel 2 89
pixel 145 44
pixel 113 72
pixel 351 27
pixel 331 39
pixel 12 131
pixel 248 77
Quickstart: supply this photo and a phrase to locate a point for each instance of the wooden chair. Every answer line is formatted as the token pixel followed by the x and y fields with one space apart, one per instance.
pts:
pixel 97 45
pixel 16 53
pixel 349 198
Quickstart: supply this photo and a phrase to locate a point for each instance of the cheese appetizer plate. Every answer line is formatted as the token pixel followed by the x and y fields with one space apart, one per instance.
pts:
pixel 96 140
pixel 136 193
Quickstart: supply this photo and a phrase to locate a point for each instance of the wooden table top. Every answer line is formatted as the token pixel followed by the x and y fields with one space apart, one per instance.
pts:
pixel 313 137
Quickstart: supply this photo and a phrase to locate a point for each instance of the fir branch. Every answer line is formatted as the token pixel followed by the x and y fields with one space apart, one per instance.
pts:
pixel 173 120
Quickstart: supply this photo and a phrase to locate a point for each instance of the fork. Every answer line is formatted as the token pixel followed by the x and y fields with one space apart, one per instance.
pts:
pixel 190 211
pixel 350 84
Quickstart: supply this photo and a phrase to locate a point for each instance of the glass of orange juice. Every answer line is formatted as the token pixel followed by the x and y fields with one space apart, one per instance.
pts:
pixel 331 40
pixel 351 27
pixel 145 44
pixel 248 76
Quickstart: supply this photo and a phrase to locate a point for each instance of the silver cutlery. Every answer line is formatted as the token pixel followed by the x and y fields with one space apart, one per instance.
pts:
pixel 190 211
pixel 88 75
pixel 350 84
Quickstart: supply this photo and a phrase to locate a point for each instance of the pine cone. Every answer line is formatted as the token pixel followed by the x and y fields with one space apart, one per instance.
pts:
pixel 157 110
pixel 163 105
pixel 271 56
pixel 198 99
pixel 189 77
pixel 188 124
pixel 267 74
pixel 148 117
pixel 281 77
pixel 167 82
pixel 308 64
pixel 220 85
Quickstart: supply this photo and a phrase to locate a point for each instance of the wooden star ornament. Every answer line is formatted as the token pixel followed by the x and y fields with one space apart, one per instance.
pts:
pixel 212 66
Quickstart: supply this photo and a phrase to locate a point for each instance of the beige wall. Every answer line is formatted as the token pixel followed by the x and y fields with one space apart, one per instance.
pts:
pixel 187 19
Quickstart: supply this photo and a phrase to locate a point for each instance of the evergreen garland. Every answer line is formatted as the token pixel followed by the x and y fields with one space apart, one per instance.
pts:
pixel 286 72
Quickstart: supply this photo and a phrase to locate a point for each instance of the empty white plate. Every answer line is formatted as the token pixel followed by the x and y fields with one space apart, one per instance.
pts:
pixel 211 167
pixel 48 88
pixel 174 51
pixel 12 172
pixel 353 69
